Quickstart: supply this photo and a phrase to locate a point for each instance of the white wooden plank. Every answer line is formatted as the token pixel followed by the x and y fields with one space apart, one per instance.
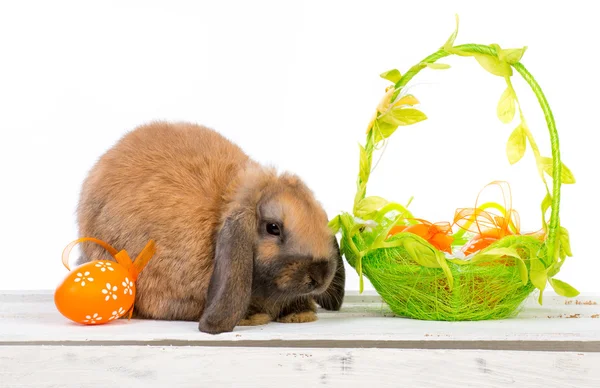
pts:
pixel 32 318
pixel 139 366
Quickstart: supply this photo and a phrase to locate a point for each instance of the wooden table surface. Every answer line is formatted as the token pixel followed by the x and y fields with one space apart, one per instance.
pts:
pixel 554 345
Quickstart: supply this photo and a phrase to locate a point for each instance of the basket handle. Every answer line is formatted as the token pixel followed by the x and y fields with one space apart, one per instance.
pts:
pixel 554 224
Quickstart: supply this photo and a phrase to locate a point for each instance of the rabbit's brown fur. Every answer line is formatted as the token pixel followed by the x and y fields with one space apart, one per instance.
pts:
pixel 206 204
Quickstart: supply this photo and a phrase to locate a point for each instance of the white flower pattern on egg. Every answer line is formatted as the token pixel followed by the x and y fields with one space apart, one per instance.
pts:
pixel 82 278
pixel 104 266
pixel 128 284
pixel 110 292
pixel 92 318
pixel 117 314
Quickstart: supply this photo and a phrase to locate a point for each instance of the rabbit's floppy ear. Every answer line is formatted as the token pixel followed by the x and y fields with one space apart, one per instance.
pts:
pixel 230 287
pixel 333 297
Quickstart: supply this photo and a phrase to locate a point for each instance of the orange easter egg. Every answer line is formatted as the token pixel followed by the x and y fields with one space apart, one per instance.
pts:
pixel 95 293
pixel 478 243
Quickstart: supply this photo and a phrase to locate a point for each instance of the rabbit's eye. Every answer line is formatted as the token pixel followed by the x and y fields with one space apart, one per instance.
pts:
pixel 273 229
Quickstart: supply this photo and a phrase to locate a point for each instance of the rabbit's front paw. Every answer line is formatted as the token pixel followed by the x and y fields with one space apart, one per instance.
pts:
pixel 255 320
pixel 301 317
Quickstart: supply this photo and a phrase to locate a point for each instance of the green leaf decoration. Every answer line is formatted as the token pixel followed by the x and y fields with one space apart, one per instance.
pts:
pixel 365 165
pixel 437 66
pixel 450 42
pixel 444 265
pixel 494 65
pixel 408 100
pixel 421 253
pixel 335 224
pixel 506 105
pixel 396 207
pixel 499 253
pixel 522 271
pixel 563 289
pixel 565 243
pixel 384 127
pixel 391 75
pixel 360 192
pixel 385 102
pixel 546 203
pixel 386 118
pixel 407 116
pixel 348 227
pixel 511 56
pixel 566 176
pixel 346 221
pixel 534 147
pixel 516 145
pixel 369 206
pixel 538 275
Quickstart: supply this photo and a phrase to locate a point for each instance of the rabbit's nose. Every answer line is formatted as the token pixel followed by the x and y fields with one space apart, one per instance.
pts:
pixel 318 273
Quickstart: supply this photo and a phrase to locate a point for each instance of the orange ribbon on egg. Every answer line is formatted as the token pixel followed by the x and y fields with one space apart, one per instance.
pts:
pixel 122 257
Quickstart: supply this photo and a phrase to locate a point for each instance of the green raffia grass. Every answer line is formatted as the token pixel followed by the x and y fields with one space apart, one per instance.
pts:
pixel 488 290
pixel 414 278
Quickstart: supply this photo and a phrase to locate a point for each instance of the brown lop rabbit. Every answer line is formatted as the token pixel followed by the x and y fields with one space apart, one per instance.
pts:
pixel 237 244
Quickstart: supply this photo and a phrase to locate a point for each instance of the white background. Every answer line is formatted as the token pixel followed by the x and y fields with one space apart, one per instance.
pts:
pixel 294 83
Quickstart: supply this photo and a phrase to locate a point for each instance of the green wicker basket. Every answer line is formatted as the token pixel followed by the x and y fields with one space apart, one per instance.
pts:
pixel 414 276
